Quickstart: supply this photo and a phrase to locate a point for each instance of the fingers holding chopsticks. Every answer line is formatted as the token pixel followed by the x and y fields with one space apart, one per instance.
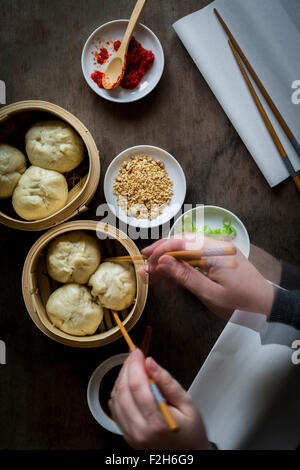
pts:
pixel 183 274
pixel 123 406
pixel 133 406
pixel 222 290
pixel 198 251
pixel 137 413
pixel 157 251
pixel 153 252
pixel 189 246
pixel 138 382
pixel 192 248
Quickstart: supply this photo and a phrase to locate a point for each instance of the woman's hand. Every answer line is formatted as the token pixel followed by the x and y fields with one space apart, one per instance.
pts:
pixel 223 290
pixel 138 415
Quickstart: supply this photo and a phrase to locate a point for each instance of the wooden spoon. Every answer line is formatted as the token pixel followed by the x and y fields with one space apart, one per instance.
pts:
pixel 115 69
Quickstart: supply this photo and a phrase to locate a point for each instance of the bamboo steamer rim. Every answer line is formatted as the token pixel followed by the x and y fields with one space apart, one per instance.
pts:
pixel 31 295
pixel 76 205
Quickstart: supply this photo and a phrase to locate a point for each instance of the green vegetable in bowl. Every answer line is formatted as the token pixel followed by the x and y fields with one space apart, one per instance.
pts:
pixel 227 229
pixel 187 225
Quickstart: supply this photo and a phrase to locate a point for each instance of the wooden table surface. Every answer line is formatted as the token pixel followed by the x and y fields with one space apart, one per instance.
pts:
pixel 43 385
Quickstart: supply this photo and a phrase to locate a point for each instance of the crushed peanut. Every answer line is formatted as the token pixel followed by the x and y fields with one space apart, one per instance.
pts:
pixel 143 187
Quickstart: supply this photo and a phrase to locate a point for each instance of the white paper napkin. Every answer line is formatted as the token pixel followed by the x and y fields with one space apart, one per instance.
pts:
pixel 248 388
pixel 268 31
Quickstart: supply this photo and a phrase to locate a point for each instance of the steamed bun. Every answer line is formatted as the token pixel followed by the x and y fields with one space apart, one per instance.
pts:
pixel 39 193
pixel 114 284
pixel 12 166
pixel 73 257
pixel 72 309
pixel 54 145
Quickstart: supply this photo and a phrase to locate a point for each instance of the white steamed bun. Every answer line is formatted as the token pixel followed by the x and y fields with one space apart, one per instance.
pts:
pixel 12 166
pixel 54 145
pixel 72 309
pixel 114 284
pixel 39 193
pixel 73 257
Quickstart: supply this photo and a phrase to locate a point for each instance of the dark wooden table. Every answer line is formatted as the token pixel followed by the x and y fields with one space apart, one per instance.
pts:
pixel 43 385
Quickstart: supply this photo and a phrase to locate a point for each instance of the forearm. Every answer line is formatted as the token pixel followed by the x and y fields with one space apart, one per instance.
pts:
pixel 286 303
pixel 266 264
pixel 290 276
pixel 286 307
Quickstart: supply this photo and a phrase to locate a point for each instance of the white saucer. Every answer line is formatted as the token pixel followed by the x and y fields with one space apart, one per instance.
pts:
pixel 113 31
pixel 213 217
pixel 93 392
pixel 175 172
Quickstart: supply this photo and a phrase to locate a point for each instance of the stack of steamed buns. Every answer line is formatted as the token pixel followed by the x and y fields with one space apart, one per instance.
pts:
pixel 74 260
pixel 53 148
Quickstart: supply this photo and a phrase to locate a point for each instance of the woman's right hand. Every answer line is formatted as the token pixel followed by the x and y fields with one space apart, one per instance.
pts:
pixel 223 290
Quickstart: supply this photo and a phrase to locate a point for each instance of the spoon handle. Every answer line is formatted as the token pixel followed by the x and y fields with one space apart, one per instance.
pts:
pixel 137 11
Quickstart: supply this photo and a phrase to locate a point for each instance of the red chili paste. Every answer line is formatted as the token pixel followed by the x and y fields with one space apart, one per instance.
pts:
pixel 138 62
pixel 97 77
pixel 117 45
pixel 102 56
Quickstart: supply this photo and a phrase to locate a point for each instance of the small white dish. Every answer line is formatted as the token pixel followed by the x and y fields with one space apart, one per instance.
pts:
pixel 175 172
pixel 213 217
pixel 93 392
pixel 113 31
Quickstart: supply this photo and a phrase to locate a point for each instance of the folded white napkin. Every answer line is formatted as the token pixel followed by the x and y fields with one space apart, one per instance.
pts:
pixel 268 32
pixel 248 389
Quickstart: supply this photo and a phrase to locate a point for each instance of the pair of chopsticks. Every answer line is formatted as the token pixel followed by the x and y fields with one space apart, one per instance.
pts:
pixel 239 54
pixel 192 257
pixel 160 400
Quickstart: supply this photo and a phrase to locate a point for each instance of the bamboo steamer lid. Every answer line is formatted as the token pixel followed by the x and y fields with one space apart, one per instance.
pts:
pixel 15 119
pixel 37 284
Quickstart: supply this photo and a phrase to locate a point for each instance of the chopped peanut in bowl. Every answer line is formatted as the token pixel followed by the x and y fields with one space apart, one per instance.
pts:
pixel 143 187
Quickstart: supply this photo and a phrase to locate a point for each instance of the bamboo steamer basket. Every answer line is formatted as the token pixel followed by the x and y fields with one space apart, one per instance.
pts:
pixel 37 285
pixel 15 119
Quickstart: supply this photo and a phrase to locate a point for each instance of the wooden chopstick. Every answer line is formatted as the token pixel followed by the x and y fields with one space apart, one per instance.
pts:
pixel 261 87
pixel 127 338
pixel 204 252
pixel 267 121
pixel 146 340
pixel 197 263
pixel 186 255
pixel 214 263
pixel 125 258
pixel 160 400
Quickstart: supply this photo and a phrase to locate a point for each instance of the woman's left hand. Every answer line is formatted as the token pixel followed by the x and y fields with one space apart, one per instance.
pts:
pixel 134 409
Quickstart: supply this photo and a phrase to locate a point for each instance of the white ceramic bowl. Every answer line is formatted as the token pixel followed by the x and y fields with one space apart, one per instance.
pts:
pixel 113 31
pixel 175 172
pixel 93 392
pixel 213 217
